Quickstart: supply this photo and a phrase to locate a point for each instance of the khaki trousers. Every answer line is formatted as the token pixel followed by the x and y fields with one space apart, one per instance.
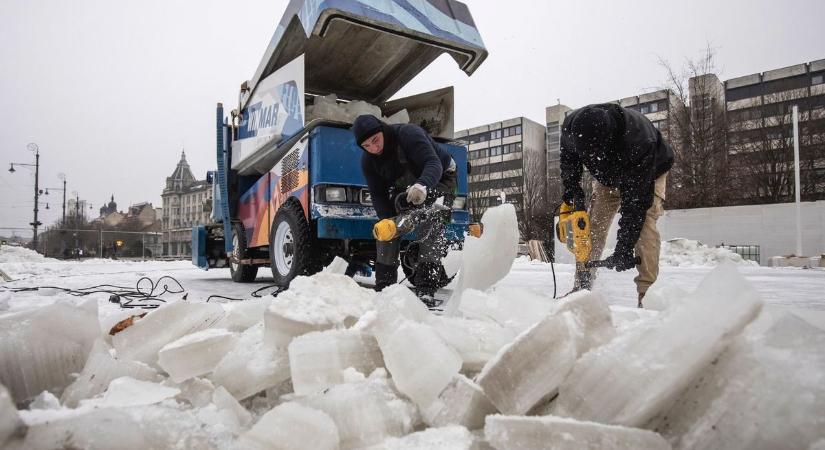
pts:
pixel 604 204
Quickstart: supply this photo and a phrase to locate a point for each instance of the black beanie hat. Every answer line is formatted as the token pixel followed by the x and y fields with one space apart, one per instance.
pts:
pixel 365 126
pixel 592 127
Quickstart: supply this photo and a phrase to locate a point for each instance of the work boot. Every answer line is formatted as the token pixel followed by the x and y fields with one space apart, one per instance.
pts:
pixel 385 275
pixel 641 296
pixel 426 281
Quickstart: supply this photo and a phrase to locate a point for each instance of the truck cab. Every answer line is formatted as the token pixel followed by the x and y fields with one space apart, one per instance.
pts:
pixel 289 192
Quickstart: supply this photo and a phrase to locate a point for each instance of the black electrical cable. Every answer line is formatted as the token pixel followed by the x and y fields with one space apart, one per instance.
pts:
pixel 142 296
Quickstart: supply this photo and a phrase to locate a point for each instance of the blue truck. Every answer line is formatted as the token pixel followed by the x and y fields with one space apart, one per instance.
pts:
pixel 289 192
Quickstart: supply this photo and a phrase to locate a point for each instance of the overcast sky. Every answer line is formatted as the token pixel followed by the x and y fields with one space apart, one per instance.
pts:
pixel 111 91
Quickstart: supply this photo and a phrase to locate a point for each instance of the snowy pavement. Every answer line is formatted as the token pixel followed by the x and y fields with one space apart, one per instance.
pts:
pixel 342 367
pixel 799 290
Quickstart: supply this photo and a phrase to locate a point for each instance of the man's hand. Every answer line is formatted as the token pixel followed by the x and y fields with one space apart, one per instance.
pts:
pixel 416 194
pixel 620 261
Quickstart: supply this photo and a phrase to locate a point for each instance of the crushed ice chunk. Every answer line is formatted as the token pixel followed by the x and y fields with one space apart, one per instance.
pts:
pixel 195 354
pixel 446 438
pixel 11 426
pixel 126 391
pixel 317 360
pixel 774 378
pixel 524 433
pixel 40 348
pixel 100 369
pixel 143 340
pixel 46 400
pixel 251 366
pixel 420 362
pixel 365 413
pixel 291 425
pixel 531 368
pixel 462 402
pixel 651 364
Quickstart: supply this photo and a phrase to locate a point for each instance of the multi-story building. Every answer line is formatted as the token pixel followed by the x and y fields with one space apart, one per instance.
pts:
pixel 186 202
pixel 760 133
pixel 509 158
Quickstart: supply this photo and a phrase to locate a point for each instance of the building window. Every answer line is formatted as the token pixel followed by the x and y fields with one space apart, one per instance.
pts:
pixel 654 107
pixel 496 134
pixel 644 109
pixel 817 79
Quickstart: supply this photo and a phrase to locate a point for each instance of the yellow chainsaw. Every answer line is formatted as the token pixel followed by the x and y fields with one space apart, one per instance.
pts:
pixel 573 230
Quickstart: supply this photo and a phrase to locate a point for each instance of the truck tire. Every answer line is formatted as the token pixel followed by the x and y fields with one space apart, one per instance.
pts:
pixel 241 273
pixel 409 260
pixel 289 244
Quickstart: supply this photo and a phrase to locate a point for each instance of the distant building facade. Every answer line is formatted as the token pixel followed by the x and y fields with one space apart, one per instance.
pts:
pixel 509 158
pixel 760 133
pixel 186 202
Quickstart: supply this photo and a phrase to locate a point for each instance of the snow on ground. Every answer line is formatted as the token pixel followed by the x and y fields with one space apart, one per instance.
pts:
pixel 687 252
pixel 376 385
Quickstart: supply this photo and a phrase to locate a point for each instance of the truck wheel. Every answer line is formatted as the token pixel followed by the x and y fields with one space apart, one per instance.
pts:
pixel 409 260
pixel 289 244
pixel 241 273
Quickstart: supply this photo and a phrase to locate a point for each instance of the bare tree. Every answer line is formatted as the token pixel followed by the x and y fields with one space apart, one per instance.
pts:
pixel 534 213
pixel 697 132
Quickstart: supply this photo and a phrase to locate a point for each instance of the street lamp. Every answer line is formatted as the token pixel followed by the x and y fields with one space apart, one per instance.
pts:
pixel 61 176
pixel 32 147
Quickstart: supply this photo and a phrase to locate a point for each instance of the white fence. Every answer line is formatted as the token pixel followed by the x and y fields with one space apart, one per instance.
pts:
pixel 772 227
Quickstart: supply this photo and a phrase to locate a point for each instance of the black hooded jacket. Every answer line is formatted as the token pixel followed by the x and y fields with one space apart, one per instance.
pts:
pixel 625 151
pixel 408 149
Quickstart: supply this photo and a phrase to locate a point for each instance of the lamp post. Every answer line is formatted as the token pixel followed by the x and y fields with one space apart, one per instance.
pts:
pixel 62 176
pixel 32 147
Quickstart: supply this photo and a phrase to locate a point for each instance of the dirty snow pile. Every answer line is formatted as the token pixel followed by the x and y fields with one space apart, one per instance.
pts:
pixel 13 254
pixel 688 253
pixel 331 365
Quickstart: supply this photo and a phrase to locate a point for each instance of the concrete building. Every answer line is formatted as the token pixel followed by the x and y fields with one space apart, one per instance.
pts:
pixel 509 157
pixel 186 202
pixel 760 133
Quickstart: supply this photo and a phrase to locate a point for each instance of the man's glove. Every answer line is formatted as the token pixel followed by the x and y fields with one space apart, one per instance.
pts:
pixel 620 261
pixel 416 194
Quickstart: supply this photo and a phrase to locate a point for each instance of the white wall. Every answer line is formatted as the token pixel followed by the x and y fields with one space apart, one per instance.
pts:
pixel 772 227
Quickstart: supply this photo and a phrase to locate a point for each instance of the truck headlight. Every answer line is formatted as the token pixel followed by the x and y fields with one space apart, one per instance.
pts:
pixel 335 194
pixel 459 202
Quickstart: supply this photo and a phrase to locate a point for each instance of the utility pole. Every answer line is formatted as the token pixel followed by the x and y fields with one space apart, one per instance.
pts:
pixel 32 147
pixel 796 179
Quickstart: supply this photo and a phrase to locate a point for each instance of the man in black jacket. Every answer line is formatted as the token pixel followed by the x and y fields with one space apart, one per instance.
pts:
pixel 629 160
pixel 405 159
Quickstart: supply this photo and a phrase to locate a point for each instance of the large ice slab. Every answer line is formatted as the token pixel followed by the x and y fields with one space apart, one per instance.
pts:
pixel 143 340
pixel 317 360
pixel 420 362
pixel 11 427
pixel 650 365
pixel 767 391
pixel 594 324
pixel 529 433
pixel 135 428
pixel 477 341
pixel 446 438
pixel 195 354
pixel 125 391
pixel 531 368
pixel 100 369
pixel 316 303
pixel 41 348
pixel 462 402
pixel 292 426
pixel 242 315
pixel 365 413
pixel 487 259
pixel 251 366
